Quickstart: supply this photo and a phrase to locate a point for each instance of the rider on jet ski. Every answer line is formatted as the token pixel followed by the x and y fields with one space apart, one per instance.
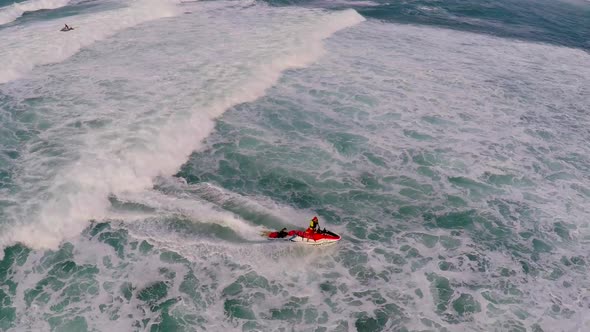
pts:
pixel 314 225
pixel 283 233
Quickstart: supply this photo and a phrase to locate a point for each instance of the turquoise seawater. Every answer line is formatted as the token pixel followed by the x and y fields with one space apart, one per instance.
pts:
pixel 564 23
pixel 143 153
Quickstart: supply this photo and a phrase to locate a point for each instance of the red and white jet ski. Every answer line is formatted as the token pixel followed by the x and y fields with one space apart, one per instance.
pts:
pixel 321 237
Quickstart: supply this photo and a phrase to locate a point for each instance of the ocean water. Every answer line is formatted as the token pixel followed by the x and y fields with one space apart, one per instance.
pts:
pixel 142 154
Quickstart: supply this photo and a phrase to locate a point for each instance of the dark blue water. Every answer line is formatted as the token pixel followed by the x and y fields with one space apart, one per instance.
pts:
pixel 564 23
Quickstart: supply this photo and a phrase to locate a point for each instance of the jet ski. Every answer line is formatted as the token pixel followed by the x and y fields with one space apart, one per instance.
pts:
pixel 64 29
pixel 321 237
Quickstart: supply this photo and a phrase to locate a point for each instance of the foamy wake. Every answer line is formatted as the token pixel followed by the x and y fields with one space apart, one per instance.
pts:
pixel 188 207
pixel 24 48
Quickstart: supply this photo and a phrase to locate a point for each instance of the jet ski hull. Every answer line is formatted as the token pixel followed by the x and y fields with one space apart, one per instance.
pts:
pixel 309 238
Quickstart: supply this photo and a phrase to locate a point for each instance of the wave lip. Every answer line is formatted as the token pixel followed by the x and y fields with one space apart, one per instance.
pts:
pixel 16 10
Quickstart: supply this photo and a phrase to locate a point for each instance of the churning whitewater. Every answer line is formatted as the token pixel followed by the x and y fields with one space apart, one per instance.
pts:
pixel 144 153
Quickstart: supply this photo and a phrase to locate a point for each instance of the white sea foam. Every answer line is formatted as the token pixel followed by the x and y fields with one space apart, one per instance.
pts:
pixel 198 211
pixel 261 210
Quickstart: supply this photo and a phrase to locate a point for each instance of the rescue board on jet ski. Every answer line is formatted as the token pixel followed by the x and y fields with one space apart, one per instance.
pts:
pixel 322 237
